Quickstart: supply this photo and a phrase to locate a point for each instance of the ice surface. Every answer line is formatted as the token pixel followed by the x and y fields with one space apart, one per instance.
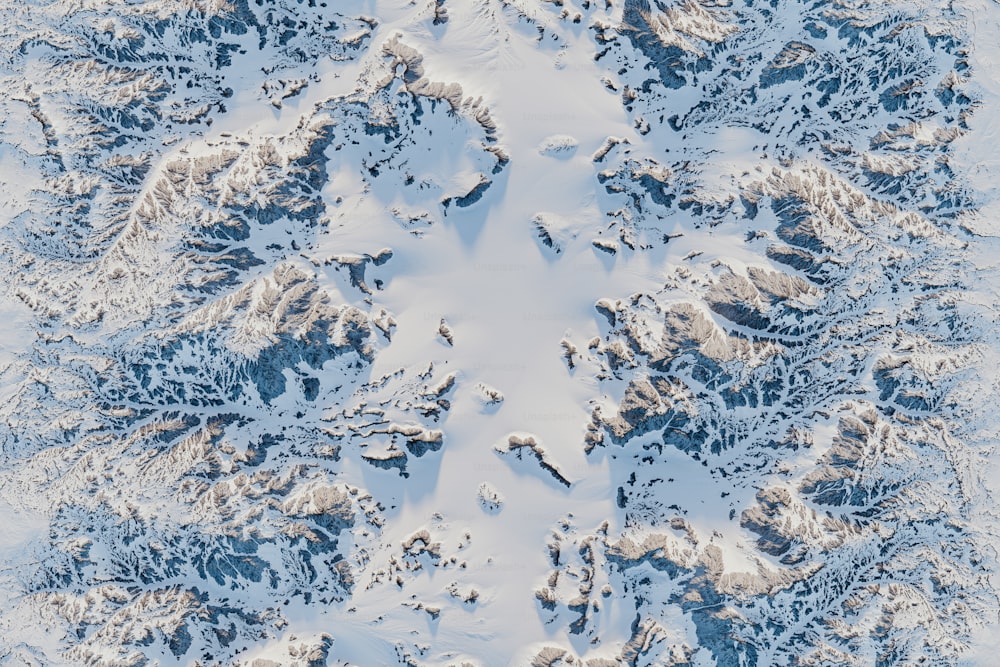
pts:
pixel 499 332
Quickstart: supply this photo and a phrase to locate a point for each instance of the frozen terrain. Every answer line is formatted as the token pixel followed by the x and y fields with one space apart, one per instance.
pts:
pixel 499 332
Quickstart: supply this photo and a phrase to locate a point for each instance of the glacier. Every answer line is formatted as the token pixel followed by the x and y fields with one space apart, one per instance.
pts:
pixel 499 332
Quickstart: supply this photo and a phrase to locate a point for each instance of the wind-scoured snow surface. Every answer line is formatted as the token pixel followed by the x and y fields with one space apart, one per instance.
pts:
pixel 499 332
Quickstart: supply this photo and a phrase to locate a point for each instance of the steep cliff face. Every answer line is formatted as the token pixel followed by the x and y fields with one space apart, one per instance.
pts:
pixel 496 332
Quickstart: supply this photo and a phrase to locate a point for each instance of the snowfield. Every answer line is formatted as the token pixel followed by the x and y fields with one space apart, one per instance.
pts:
pixel 499 332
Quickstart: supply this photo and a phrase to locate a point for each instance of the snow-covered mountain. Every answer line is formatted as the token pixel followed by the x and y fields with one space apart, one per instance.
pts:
pixel 499 332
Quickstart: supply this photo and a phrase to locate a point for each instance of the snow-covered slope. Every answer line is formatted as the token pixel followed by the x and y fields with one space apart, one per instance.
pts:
pixel 498 332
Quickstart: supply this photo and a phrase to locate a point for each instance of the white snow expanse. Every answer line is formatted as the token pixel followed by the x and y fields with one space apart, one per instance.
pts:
pixel 499 332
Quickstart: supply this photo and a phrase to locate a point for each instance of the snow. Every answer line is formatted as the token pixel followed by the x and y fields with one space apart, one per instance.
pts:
pixel 164 394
